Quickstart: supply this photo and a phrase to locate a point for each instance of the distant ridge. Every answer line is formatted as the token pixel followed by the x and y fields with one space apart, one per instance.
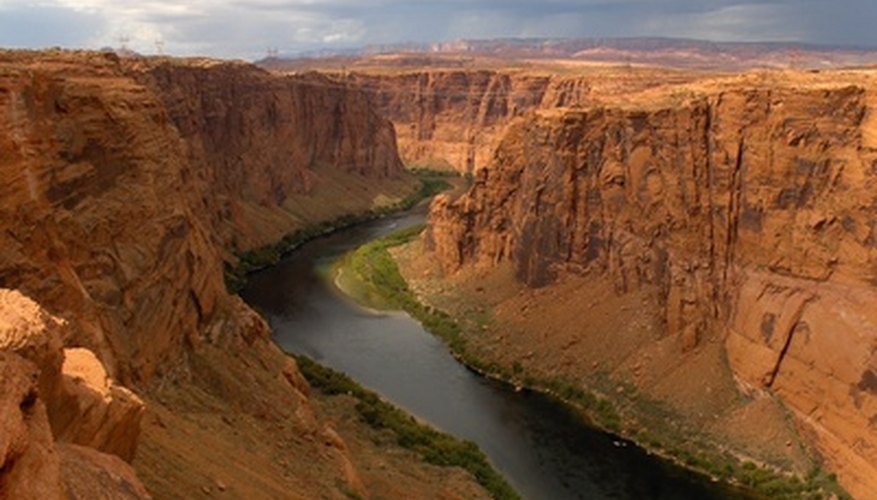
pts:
pixel 657 51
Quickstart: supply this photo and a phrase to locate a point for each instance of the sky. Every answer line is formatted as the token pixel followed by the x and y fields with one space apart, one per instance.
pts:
pixel 247 28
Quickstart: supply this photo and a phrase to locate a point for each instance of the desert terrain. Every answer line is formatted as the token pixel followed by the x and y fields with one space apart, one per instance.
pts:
pixel 684 233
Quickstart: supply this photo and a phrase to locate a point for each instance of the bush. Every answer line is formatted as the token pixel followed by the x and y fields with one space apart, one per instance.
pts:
pixel 433 446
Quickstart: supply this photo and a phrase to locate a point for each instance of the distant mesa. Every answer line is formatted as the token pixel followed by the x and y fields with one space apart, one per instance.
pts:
pixel 666 52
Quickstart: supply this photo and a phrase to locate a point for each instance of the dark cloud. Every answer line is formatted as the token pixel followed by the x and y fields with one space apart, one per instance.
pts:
pixel 244 28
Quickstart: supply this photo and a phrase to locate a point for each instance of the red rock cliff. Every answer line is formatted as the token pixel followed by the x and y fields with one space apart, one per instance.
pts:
pixel 123 187
pixel 98 221
pixel 454 118
pixel 260 140
pixel 124 183
pixel 749 204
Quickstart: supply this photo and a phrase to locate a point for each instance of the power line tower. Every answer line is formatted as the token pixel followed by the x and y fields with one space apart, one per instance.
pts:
pixel 272 53
pixel 123 42
pixel 159 46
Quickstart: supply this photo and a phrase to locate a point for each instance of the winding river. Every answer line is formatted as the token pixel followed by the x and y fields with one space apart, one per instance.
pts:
pixel 543 450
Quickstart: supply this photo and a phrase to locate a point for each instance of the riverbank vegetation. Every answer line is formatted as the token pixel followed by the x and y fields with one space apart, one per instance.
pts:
pixel 372 277
pixel 431 445
pixel 259 258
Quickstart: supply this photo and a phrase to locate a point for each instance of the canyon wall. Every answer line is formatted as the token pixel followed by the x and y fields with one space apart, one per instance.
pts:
pixel 126 185
pixel 120 197
pixel 98 222
pixel 748 203
pixel 454 118
pixel 261 141
pixel 451 119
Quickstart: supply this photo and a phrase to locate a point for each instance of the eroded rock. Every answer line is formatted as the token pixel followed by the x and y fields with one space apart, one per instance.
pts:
pixel 94 410
pixel 748 204
pixel 29 464
pixel 32 333
pixel 87 473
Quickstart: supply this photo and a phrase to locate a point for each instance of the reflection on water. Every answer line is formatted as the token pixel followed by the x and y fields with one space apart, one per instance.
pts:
pixel 542 449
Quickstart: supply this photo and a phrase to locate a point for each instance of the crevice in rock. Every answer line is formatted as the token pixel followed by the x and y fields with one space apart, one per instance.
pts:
pixel 793 326
pixel 734 210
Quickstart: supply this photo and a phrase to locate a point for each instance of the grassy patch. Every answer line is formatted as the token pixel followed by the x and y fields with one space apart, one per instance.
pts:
pixel 425 170
pixel 433 446
pixel 382 285
pixel 253 260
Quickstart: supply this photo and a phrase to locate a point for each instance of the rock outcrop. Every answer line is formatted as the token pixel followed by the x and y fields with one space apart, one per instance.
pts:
pixel 29 463
pixel 84 405
pixel 747 202
pixel 30 332
pixel 93 410
pixel 43 408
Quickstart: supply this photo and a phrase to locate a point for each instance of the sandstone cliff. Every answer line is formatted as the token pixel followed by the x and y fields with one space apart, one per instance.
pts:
pixel 454 118
pixel 745 203
pixel 97 222
pixel 262 143
pixel 119 197
pixel 126 185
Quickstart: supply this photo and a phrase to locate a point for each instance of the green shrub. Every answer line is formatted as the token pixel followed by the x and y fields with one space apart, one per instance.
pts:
pixel 269 255
pixel 433 446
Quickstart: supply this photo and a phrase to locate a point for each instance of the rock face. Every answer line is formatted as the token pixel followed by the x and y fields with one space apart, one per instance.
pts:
pixel 84 405
pixel 749 204
pixel 126 185
pixel 29 464
pixel 258 140
pixel 121 197
pixel 43 405
pixel 32 333
pixel 97 224
pixel 454 118
pixel 93 410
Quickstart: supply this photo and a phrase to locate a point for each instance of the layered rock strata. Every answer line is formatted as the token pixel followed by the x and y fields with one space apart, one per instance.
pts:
pixel 454 118
pixel 262 142
pixel 126 186
pixel 122 197
pixel 747 203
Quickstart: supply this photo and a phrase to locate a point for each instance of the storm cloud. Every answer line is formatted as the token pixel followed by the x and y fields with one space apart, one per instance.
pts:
pixel 246 28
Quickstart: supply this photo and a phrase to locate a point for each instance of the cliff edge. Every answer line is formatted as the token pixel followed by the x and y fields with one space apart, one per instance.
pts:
pixel 732 216
pixel 127 185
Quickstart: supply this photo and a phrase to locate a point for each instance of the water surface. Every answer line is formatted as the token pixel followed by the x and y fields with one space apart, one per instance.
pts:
pixel 541 448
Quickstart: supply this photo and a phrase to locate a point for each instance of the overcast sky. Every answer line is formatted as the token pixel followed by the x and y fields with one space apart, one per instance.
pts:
pixel 246 28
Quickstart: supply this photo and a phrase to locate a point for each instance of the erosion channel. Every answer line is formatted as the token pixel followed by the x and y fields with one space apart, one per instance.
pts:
pixel 542 448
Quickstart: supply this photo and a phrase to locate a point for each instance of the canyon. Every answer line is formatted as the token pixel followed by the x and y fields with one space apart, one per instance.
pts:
pixel 697 248
pixel 129 185
pixel 452 118
pixel 729 219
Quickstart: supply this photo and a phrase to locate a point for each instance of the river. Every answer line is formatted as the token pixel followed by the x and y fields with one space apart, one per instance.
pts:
pixel 542 449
